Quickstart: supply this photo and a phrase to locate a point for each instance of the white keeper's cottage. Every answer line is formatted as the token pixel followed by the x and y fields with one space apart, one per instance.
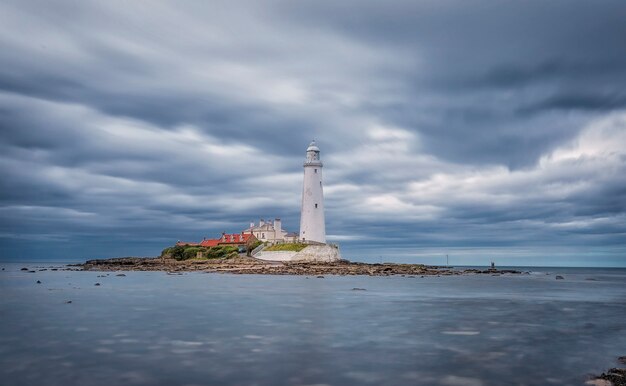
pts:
pixel 271 231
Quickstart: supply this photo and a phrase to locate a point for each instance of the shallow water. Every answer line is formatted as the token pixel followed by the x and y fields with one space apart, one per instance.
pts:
pixel 150 328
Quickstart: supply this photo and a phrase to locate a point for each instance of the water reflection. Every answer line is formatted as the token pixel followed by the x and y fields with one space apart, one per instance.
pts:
pixel 149 328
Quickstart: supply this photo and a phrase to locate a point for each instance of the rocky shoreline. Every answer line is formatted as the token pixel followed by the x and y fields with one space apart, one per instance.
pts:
pixel 247 265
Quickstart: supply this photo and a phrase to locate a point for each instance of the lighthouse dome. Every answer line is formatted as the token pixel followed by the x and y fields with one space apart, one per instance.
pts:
pixel 313 147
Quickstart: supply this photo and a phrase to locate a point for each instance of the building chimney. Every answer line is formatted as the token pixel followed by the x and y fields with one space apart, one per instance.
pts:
pixel 261 223
pixel 278 228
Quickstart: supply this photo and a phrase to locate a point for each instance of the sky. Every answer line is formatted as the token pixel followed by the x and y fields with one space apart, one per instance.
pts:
pixel 475 129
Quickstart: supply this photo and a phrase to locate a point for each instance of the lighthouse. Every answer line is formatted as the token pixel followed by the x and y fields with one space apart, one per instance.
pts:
pixel 312 224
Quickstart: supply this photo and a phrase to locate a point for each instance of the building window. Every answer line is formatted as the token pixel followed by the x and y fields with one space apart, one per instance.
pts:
pixel 316 205
pixel 262 235
pixel 315 170
pixel 320 183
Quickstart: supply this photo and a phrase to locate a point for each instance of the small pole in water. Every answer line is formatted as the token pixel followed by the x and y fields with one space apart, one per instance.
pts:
pixel 447 261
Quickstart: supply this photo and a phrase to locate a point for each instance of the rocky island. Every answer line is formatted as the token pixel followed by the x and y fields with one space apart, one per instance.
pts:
pixel 250 265
pixel 270 250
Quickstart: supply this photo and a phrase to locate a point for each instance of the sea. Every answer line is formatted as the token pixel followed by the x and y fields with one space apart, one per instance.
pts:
pixel 154 328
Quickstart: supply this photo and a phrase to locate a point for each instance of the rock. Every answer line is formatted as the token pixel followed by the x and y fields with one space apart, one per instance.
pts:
pixel 68 302
pixel 358 289
pixel 54 269
pixel 622 360
pixel 559 277
pixel 38 281
pixel 32 271
pixel 120 274
pixel 24 269
pixel 97 284
pixel 320 277
pixel 615 377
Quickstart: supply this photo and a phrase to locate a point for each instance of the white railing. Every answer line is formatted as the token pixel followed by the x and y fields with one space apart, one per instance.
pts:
pixel 257 249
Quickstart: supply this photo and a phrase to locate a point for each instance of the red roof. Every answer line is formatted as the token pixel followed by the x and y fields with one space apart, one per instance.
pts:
pixel 209 242
pixel 235 238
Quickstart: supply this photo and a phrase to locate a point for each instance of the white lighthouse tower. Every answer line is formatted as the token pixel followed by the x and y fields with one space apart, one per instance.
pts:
pixel 312 223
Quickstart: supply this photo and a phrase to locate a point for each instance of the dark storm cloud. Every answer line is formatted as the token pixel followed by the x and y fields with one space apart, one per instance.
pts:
pixel 211 112
pixel 583 101
pixel 443 124
pixel 488 63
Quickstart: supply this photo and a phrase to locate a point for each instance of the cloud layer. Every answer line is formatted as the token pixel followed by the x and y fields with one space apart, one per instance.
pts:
pixel 480 130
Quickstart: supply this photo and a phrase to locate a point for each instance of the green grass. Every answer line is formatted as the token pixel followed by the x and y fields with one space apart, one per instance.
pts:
pixel 295 247
pixel 187 252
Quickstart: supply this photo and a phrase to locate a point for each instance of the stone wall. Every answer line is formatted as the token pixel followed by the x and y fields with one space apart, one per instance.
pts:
pixel 326 253
pixel 323 253
pixel 276 255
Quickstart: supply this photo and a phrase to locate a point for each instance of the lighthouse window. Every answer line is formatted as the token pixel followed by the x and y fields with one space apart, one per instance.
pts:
pixel 316 205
